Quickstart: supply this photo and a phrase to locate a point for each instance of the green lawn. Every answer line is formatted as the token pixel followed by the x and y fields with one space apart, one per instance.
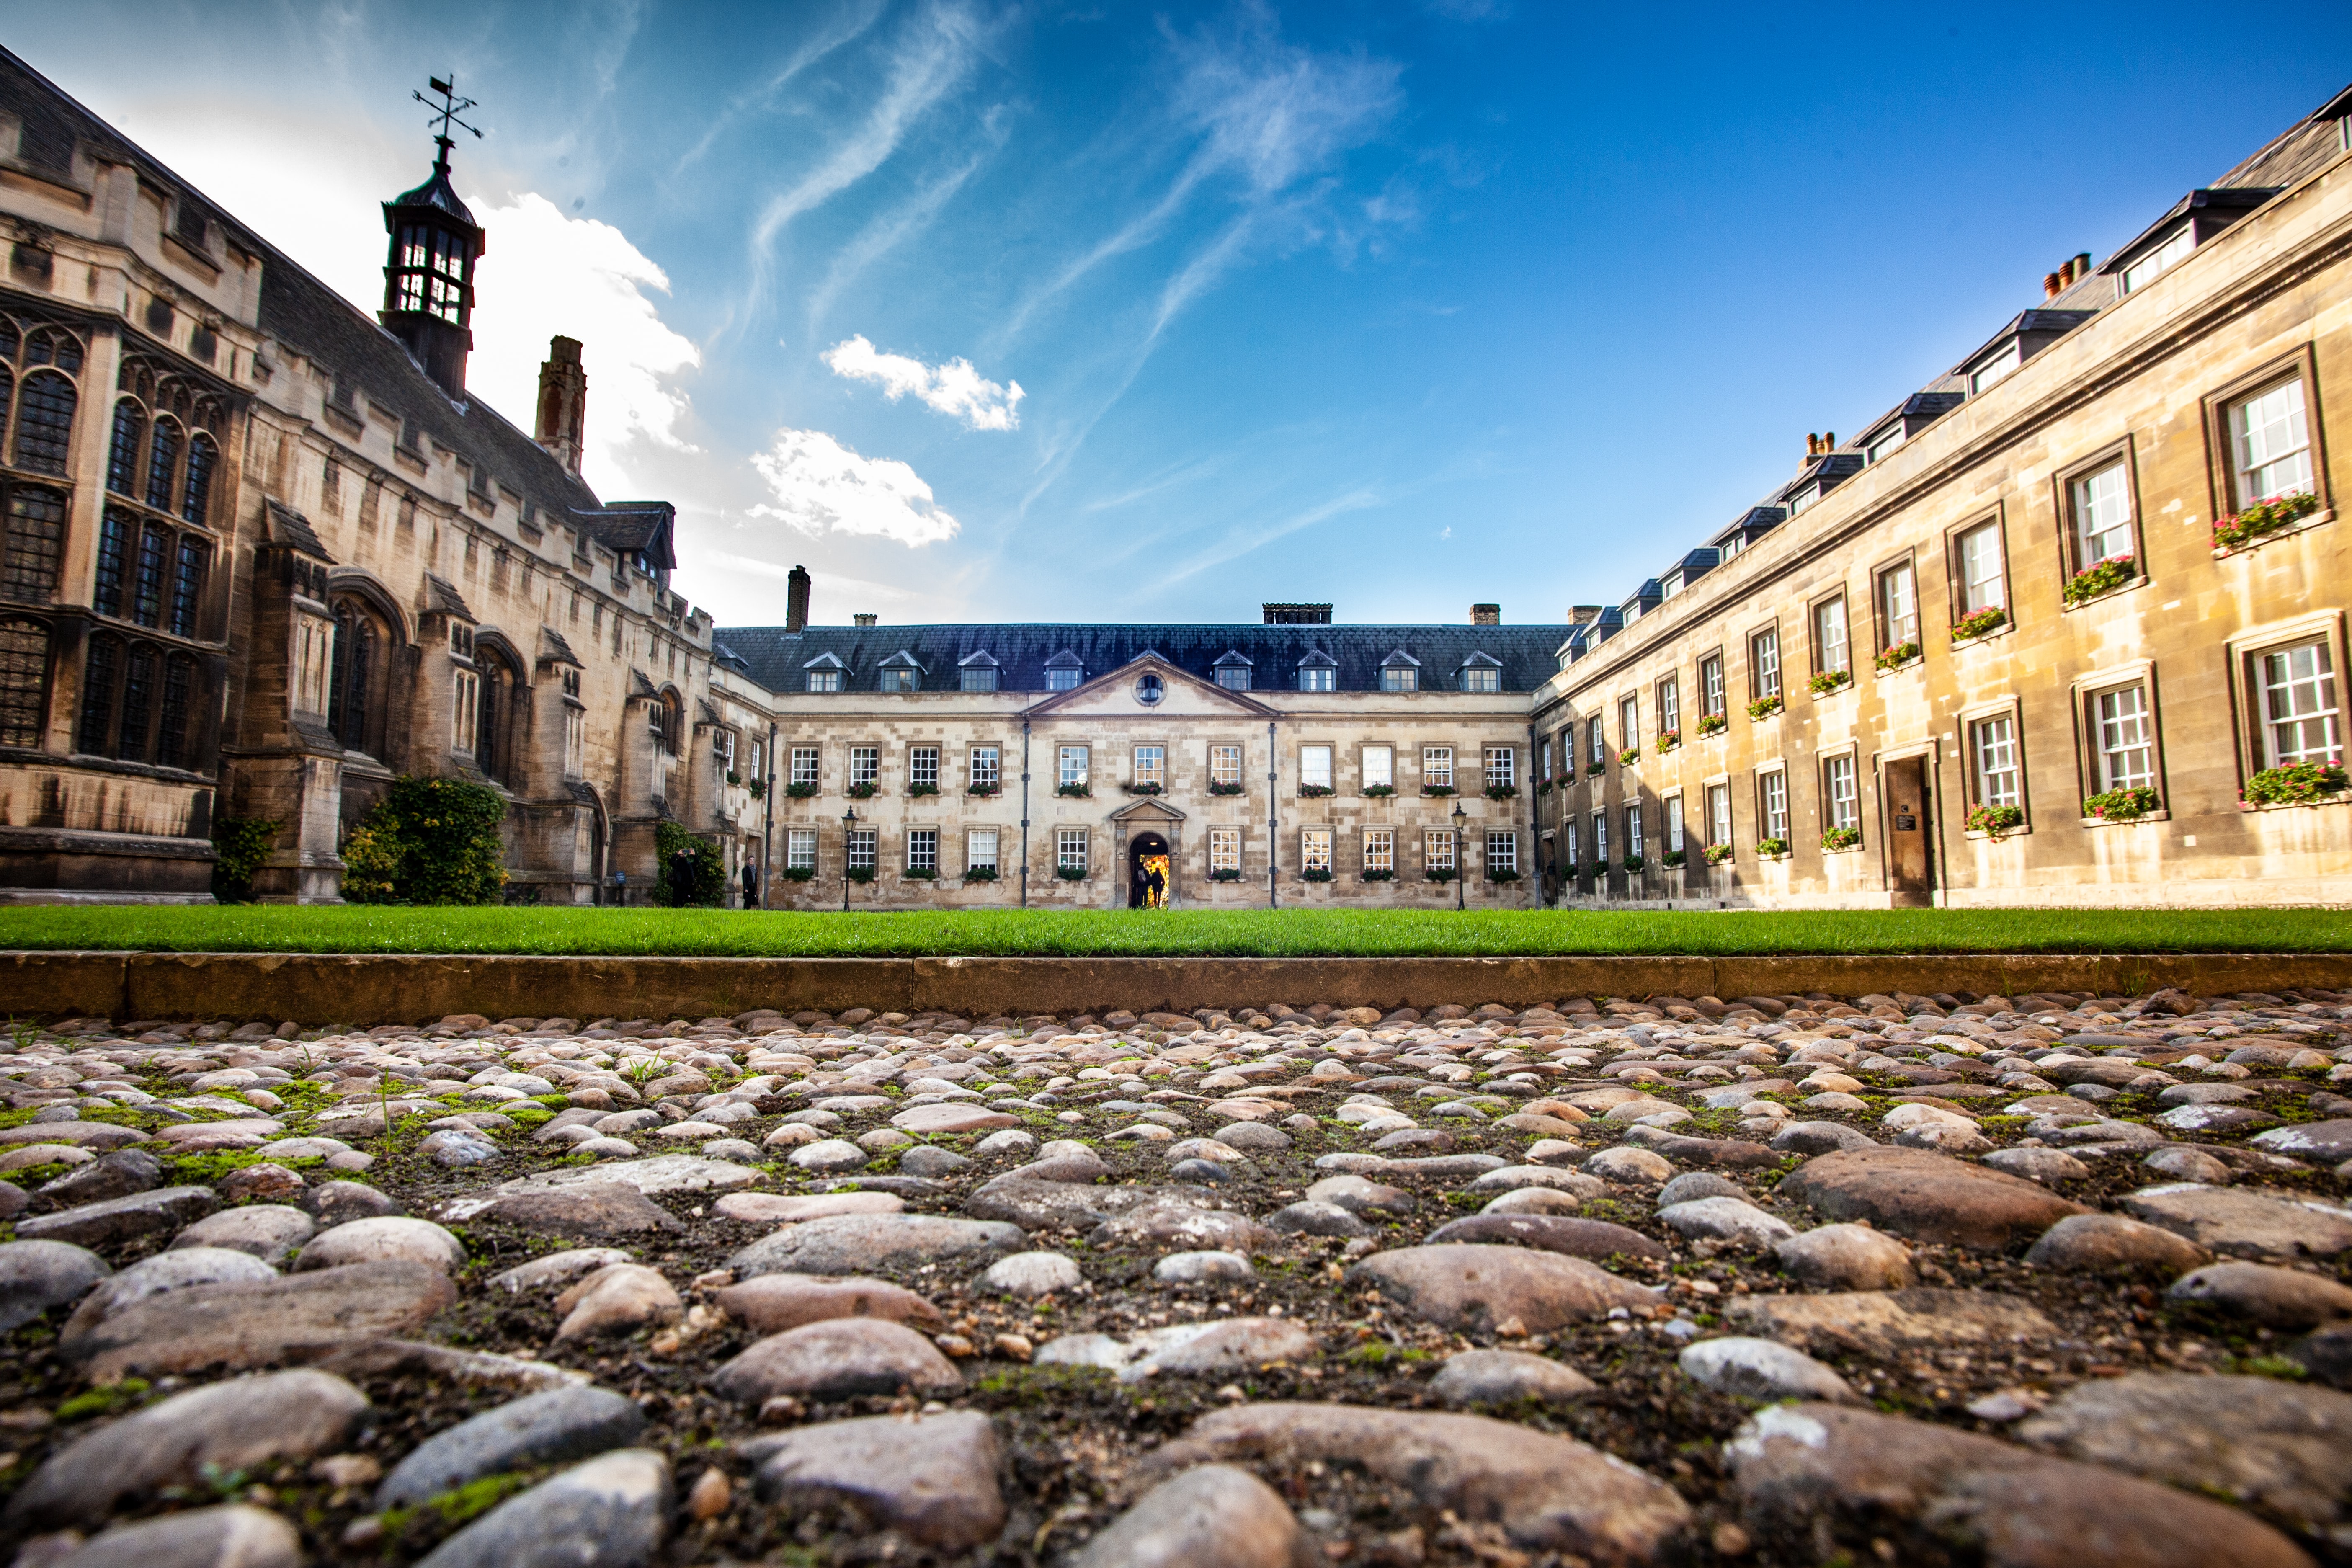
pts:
pixel 1195 932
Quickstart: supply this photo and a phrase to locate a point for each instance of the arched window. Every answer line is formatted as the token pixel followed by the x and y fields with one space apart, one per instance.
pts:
pixel 187 586
pixel 37 535
pixel 101 666
pixel 45 422
pixel 138 702
pixel 7 397
pixel 355 661
pixel 53 345
pixel 122 452
pixel 673 722
pixel 162 461
pixel 196 495
pixel 115 532
pixel 172 738
pixel 24 681
pixel 147 580
pixel 8 340
pixel 491 724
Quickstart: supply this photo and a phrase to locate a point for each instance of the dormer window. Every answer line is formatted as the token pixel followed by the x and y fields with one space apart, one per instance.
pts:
pixel 2161 261
pixel 1798 502
pixel 1400 672
pixel 1482 672
pixel 977 672
pixel 899 672
pixel 1987 373
pixel 1233 668
pixel 1883 448
pixel 1064 672
pixel 1318 671
pixel 825 672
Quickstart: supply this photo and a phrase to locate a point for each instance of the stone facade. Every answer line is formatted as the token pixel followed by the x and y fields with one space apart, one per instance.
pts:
pixel 1997 650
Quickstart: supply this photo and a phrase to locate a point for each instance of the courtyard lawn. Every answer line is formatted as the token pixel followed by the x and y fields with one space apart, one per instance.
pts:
pixel 1237 933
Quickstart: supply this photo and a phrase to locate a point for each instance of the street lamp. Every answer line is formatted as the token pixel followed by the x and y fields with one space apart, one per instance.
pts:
pixel 848 821
pixel 1461 868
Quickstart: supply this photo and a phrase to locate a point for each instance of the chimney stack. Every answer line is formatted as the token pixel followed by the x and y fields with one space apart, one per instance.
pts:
pixel 796 600
pixel 562 401
pixel 865 617
pixel 1486 614
pixel 2051 285
pixel 1579 615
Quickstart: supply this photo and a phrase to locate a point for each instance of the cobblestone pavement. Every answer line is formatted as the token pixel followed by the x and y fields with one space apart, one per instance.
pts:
pixel 2049 1279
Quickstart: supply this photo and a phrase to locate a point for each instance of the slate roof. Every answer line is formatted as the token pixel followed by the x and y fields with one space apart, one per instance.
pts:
pixel 436 193
pixel 776 659
pixel 292 529
pixel 442 598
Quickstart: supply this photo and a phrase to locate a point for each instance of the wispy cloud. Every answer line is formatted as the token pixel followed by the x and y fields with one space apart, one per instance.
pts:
pixel 1242 543
pixel 911 217
pixel 954 387
pixel 822 486
pixel 847 26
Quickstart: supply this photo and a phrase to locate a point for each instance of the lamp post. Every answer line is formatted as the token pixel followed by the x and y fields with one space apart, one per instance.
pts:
pixel 848 821
pixel 1461 869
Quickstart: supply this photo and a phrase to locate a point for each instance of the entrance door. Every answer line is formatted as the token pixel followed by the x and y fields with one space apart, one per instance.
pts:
pixel 1909 857
pixel 1148 872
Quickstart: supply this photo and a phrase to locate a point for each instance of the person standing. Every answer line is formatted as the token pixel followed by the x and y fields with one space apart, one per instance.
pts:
pixel 750 886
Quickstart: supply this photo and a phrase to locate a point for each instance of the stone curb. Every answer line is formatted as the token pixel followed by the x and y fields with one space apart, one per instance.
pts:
pixel 382 988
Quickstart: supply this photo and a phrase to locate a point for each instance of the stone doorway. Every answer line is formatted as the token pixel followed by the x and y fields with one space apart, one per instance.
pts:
pixel 1910 858
pixel 1150 872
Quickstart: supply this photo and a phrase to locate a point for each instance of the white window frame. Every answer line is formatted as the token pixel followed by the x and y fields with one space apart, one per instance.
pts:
pixel 2259 469
pixel 922 850
pixel 2302 675
pixel 1633 839
pixel 1600 838
pixel 1379 765
pixel 1319 678
pixel 1670 706
pixel 1481 678
pixel 1379 848
pixel 1898 604
pixel 2102 508
pixel 818 679
pixel 1718 815
pixel 2122 721
pixel 984 767
pixel 1772 802
pixel 864 765
pixel 1151 764
pixel 1673 804
pixel 865 848
pixel 1072 765
pixel 1713 696
pixel 1502 767
pixel 1502 850
pixel 1833 637
pixel 1764 662
pixel 981 846
pixel 805 762
pixel 1224 764
pixel 1224 849
pixel 1996 759
pixel 1065 679
pixel 1234 677
pixel 1629 721
pixel 1983 568
pixel 1437 849
pixel 2162 259
pixel 1314 849
pixel 1842 789
pixel 799 848
pixel 922 767
pixel 1437 767
pixel 1070 848
pixel 1399 677
pixel 1315 767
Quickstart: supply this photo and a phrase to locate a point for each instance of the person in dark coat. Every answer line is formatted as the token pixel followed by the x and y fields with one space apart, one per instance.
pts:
pixel 750 886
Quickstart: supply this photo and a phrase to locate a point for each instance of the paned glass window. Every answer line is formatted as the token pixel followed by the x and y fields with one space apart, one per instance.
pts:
pixel 1898 605
pixel 1437 767
pixel 1224 764
pixel 147 580
pixel 1840 791
pixel 465 691
pixel 576 742
pixel 1718 814
pixel 818 679
pixel 1830 645
pixel 1379 766
pixel 187 586
pixel 1502 851
pixel 1072 765
pixel 1633 828
pixel 1151 765
pixel 123 447
pixel 1437 849
pixel 1314 849
pixel 37 535
pixel 1481 678
pixel 1224 849
pixel 101 665
pixel 1572 861
pixel 1670 706
pixel 1319 678
pixel 1315 767
pixel 923 767
pixel 1775 800
pixel 162 463
pixel 2301 714
pixel 196 492
pixel 172 734
pixel 899 678
pixel 2102 516
pixel 2269 444
pixel 1600 836
pixel 1982 582
pixel 24 681
pixel 1380 849
pixel 979 677
pixel 1399 677
pixel 1234 677
pixel 987 767
pixel 1063 680
pixel 864 847
pixel 922 850
pixel 799 848
pixel 138 702
pixel 1710 685
pixel 1993 746
pixel 864 765
pixel 803 767
pixel 45 422
pixel 1502 767
pixel 1628 721
pixel 1070 848
pixel 1673 825
pixel 1599 743
pixel 1764 663
pixel 2126 751
pixel 979 850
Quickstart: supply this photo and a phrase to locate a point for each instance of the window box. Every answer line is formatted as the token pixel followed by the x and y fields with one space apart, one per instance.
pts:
pixel 2120 804
pixel 1543 787
pixel 1983 623
pixel 1715 723
pixel 1316 874
pixel 1370 876
pixel 1901 655
pixel 1672 859
pixel 1312 792
pixel 799 790
pixel 1071 873
pixel 734 778
pixel 1830 680
pixel 1772 849
pixel 1669 740
pixel 1717 854
pixel 1075 791
pixel 979 874
pixel 1225 874
pixel 1836 840
pixel 1494 876
pixel 1629 756
pixel 757 789
pixel 984 790
pixel 920 874
pixel 1145 788
pixel 860 792
pixel 1634 863
pixel 2274 515
pixel 1437 790
pixel 1993 821
pixel 1594 769
pixel 861 874
pixel 798 873
pixel 919 789
pixel 2300 783
pixel 1371 792
pixel 2092 581
pixel 1502 792
pixel 1439 874
pixel 1227 788
pixel 1764 707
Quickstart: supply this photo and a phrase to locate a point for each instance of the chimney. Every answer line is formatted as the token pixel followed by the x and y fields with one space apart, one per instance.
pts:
pixel 1583 614
pixel 1486 614
pixel 865 617
pixel 2082 265
pixel 562 401
pixel 796 600
pixel 1296 615
pixel 2052 284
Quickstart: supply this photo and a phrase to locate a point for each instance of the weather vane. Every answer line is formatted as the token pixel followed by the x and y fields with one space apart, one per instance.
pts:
pixel 446 112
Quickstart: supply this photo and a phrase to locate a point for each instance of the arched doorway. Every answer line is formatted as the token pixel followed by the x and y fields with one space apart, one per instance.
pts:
pixel 1149 869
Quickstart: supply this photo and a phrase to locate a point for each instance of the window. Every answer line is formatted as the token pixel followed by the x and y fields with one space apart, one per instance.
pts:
pixel 2302 721
pixel 2161 261
pixel 1718 815
pixel 1992 755
pixel 138 702
pixel 1764 663
pixel 1673 825
pixel 163 458
pixel 350 678
pixel 979 850
pixel 575 733
pixel 1601 837
pixel 1234 677
pixel 1315 767
pixel 1885 445
pixel 1224 849
pixel 923 767
pixel 148 574
pixel 1543 760
pixel 923 850
pixel 1982 579
pixel 1380 767
pixel 1380 849
pixel 24 681
pixel 123 447
pixel 1840 794
pixel 1628 721
pixel 101 664
pixel 2124 740
pixel 987 774
pixel 2270 445
pixel 1502 767
pixel 1437 849
pixel 1482 678
pixel 1314 849
pixel 1831 656
pixel 431 276
pixel 2102 522
pixel 818 679
pixel 1399 677
pixel 800 849
pixel 1633 828
pixel 1599 743
pixel 1070 848
pixel 1572 861
pixel 758 761
pixel 1151 765
pixel 1992 372
pixel 1670 706
pixel 803 767
pixel 864 844
pixel 172 733
pixel 36 541
pixel 464 694
pixel 1502 852
pixel 187 586
pixel 899 678
pixel 1226 766
pixel 865 766
pixel 1064 680
pixel 1319 678
pixel 1710 686
pixel 197 493
pixel 45 422
pixel 979 677
pixel 1772 798
pixel 1898 606
pixel 1072 766
pixel 1437 767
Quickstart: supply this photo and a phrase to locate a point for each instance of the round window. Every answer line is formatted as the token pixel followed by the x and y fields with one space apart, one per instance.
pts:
pixel 1148 690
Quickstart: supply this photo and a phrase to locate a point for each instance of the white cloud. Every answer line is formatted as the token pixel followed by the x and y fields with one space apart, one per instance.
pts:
pixel 954 388
pixel 548 274
pixel 821 486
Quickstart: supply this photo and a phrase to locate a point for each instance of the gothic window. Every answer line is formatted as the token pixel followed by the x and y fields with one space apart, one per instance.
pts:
pixel 138 702
pixel 673 722
pixel 163 458
pixel 491 752
pixel 197 493
pixel 179 681
pixel 100 666
pixel 123 452
pixel 45 422
pixel 147 577
pixel 35 540
pixel 114 536
pixel 351 703
pixel 187 586
pixel 7 397
pixel 24 681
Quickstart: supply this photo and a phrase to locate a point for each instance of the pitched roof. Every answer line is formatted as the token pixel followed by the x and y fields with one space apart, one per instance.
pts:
pixel 292 529
pixel 442 598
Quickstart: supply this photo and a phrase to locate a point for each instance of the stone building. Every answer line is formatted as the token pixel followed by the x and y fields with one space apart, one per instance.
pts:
pixel 1292 763
pixel 2064 626
pixel 264 553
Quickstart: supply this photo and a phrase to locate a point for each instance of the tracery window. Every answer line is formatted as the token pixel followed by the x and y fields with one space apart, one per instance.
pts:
pixel 24 681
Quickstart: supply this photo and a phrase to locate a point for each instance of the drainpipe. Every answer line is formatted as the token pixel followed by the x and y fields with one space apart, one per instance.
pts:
pixel 1533 870
pixel 1272 821
pixel 767 824
pixel 1024 813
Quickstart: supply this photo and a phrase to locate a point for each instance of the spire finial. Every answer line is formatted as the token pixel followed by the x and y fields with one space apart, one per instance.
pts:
pixel 445 115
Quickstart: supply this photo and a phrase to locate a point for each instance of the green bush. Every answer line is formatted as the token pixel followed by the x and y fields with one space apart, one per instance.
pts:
pixel 432 841
pixel 688 872
pixel 240 844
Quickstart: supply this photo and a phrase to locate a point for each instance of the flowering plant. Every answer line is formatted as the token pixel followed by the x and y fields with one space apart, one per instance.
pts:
pixel 860 873
pixel 1071 873
pixel 2104 577
pixel 1829 680
pixel 1717 854
pixel 983 789
pixel 798 873
pixel 921 873
pixel 1379 792
pixel 860 791
pixel 2120 804
pixel 799 790
pixel 980 873
pixel 1841 837
pixel 1380 876
pixel 2298 784
pixel 1440 874
pixel 1437 789
pixel 1996 819
pixel 1502 792
pixel 1635 862
pixel 1227 788
pixel 1316 874
pixel 1225 874
pixel 1672 859
pixel 1494 875
pixel 1764 706
pixel 921 789
pixel 2265 516
pixel 1770 848
pixel 1897 655
pixel 1145 788
pixel 1076 791
pixel 1715 723
pixel 1629 756
pixel 1992 618
pixel 1668 740
pixel 1314 792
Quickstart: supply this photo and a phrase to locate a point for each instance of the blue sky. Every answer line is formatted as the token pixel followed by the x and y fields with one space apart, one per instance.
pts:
pixel 1097 313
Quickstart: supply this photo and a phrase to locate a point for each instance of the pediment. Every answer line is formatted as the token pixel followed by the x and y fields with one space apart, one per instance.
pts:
pixel 1113 695
pixel 1149 808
